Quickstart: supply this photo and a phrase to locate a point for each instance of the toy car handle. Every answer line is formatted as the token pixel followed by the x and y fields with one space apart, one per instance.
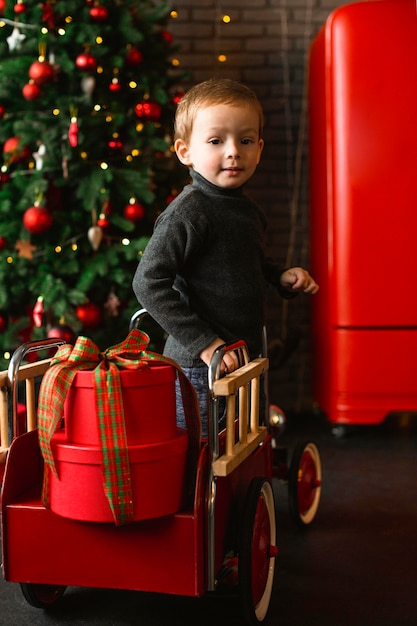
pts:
pixel 242 352
pixel 137 317
pixel 239 347
pixel 14 366
pixel 214 373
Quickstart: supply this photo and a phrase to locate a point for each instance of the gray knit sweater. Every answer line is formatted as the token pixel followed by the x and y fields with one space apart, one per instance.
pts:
pixel 203 273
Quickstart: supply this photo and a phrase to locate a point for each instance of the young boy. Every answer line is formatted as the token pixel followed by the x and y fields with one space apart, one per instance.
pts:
pixel 203 274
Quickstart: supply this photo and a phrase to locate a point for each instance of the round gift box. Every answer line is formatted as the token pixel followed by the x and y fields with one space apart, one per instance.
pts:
pixel 148 395
pixel 157 474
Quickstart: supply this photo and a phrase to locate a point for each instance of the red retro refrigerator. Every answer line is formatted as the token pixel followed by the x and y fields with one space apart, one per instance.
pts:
pixel 363 198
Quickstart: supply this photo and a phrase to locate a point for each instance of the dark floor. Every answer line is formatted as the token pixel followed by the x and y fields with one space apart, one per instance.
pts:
pixel 355 566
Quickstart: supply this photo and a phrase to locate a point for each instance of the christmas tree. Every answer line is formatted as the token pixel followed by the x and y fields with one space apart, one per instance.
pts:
pixel 87 99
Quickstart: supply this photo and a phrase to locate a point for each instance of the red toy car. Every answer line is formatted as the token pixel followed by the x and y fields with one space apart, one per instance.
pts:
pixel 202 536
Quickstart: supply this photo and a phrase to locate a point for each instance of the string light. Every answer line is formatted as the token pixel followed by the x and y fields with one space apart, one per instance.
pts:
pixel 221 18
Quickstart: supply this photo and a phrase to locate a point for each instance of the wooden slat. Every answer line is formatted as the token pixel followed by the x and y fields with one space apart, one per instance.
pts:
pixel 30 370
pixel 30 404
pixel 254 410
pixel 3 378
pixel 230 424
pixel 243 414
pixel 238 383
pixel 231 383
pixel 225 464
pixel 28 373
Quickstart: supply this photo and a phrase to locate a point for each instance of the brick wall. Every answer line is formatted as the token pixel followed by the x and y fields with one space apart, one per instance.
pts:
pixel 266 44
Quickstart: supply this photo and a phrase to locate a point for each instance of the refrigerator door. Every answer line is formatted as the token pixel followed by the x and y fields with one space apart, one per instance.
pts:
pixel 371 100
pixel 363 201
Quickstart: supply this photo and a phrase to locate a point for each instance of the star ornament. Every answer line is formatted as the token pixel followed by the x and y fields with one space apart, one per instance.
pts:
pixel 25 248
pixel 15 39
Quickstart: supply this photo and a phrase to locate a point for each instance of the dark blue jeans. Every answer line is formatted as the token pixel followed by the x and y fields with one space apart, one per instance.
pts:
pixel 198 377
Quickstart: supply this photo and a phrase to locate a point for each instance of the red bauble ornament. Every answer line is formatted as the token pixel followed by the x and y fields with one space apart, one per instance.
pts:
pixel 86 62
pixel 31 91
pixel 37 220
pixel 73 132
pixel 48 15
pixel 2 111
pixel 103 223
pixel 134 212
pixel 41 72
pixel 3 243
pixel 4 321
pixel 14 152
pixel 134 57
pixel 148 110
pixel 4 178
pixel 62 331
pixel 11 145
pixel 89 315
pixel 167 36
pixel 38 312
pixel 2 6
pixel 99 13
pixel 115 86
pixel 19 8
pixel 115 144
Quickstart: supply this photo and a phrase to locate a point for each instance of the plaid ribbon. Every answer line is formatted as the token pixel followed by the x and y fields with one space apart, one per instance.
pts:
pixel 115 466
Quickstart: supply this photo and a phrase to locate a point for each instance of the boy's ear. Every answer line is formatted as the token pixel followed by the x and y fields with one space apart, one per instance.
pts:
pixel 183 153
pixel 260 148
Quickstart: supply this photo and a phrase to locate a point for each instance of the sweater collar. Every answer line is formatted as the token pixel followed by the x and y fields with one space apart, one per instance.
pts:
pixel 209 188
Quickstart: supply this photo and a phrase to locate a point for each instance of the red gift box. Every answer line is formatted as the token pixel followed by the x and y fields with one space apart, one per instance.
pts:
pixel 148 404
pixel 157 476
pixel 157 449
pixel 117 455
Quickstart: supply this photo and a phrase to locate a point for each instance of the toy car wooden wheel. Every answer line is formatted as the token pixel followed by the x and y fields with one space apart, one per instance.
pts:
pixel 42 596
pixel 304 483
pixel 257 551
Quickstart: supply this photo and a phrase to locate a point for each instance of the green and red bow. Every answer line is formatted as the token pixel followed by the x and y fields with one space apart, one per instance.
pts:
pixel 131 354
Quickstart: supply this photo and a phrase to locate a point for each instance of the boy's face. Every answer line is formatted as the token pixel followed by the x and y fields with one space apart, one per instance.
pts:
pixel 224 146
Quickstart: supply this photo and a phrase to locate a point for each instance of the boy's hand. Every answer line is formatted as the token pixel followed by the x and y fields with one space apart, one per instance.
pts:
pixel 230 362
pixel 298 279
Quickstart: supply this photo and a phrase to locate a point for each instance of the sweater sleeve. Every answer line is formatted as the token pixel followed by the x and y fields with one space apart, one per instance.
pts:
pixel 272 272
pixel 173 244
